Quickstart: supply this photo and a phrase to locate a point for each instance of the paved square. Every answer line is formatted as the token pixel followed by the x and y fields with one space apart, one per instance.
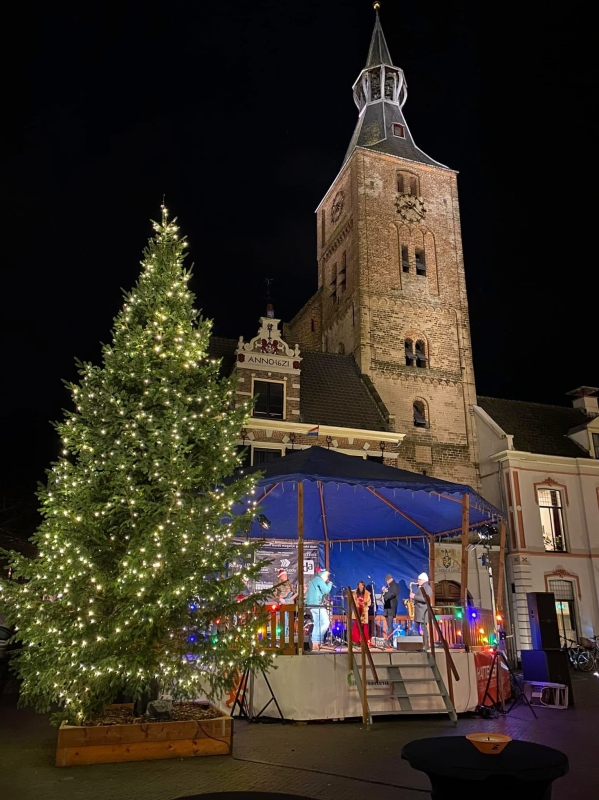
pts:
pixel 329 760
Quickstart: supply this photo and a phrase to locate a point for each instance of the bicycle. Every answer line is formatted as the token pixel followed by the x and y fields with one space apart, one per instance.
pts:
pixel 580 657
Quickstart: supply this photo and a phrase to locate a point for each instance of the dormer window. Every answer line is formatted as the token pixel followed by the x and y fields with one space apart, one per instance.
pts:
pixel 399 130
pixel 596 444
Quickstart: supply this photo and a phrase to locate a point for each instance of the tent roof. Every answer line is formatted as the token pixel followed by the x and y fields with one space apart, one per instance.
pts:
pixel 348 498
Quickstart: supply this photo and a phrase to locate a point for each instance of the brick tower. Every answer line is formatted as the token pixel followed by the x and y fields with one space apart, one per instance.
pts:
pixel 391 285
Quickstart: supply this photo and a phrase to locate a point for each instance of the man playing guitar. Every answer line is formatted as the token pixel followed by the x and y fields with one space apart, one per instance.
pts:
pixel 284 593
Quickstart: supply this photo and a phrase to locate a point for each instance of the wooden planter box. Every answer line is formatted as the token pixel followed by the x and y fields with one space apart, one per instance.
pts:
pixel 143 742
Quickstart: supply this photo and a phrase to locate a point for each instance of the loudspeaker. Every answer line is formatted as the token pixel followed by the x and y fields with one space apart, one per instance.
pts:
pixel 547 666
pixel 543 621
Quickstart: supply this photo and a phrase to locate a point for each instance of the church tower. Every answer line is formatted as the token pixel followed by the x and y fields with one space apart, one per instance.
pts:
pixel 391 285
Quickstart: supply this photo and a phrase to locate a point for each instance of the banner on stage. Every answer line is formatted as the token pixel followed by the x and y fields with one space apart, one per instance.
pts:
pixel 282 554
pixel 482 662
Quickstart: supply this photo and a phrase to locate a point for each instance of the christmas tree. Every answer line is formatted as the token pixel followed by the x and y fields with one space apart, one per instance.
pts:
pixel 131 588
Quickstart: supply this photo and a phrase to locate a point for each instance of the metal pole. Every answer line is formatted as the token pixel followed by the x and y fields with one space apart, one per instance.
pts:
pixel 501 570
pixel 300 568
pixel 464 575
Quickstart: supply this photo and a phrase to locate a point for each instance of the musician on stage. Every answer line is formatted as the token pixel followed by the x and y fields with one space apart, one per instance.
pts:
pixel 316 595
pixel 421 607
pixel 284 592
pixel 390 600
pixel 363 602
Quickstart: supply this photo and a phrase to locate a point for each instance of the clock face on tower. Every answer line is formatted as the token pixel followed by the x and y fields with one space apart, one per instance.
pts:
pixel 337 206
pixel 410 208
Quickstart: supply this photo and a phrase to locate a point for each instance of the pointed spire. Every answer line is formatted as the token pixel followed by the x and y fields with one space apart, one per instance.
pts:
pixel 380 93
pixel 379 52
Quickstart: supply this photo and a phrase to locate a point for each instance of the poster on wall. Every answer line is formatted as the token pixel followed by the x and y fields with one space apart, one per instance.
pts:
pixel 282 554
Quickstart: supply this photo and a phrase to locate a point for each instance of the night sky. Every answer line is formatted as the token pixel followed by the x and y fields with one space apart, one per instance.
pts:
pixel 240 113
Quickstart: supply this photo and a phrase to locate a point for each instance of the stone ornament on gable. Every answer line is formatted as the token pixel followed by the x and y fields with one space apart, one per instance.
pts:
pixel 267 350
pixel 446 559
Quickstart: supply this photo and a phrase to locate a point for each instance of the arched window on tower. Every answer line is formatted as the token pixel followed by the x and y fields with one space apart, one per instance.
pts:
pixel 413 185
pixel 341 349
pixel 420 353
pixel 400 183
pixel 410 355
pixel 419 412
pixel 420 262
pixel 405 259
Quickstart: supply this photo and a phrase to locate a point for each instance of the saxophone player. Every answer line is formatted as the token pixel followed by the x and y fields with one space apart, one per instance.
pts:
pixel 390 593
pixel 421 607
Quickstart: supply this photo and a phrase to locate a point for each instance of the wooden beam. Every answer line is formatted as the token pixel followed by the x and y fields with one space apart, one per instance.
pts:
pixel 300 568
pixel 364 684
pixel 431 563
pixel 464 574
pixel 350 646
pixel 399 511
pixel 325 526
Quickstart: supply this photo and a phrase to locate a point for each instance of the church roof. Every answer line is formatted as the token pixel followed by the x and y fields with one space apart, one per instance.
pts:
pixel 537 428
pixel 378 52
pixel 374 131
pixel 333 393
pixel 380 93
pixel 332 389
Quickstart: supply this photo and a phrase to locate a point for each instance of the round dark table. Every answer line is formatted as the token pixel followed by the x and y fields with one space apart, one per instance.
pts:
pixel 457 770
pixel 243 796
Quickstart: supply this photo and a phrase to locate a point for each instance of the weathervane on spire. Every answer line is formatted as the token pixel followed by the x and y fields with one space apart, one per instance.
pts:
pixel 270 312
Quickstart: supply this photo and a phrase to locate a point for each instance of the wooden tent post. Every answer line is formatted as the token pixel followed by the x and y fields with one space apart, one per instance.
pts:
pixel 464 575
pixel 501 570
pixel 325 526
pixel 431 564
pixel 300 568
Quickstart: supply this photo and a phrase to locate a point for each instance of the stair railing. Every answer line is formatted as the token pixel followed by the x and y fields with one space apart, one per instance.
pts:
pixel 365 650
pixel 433 621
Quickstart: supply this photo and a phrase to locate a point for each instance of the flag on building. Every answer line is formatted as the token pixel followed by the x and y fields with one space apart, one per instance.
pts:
pixel 313 431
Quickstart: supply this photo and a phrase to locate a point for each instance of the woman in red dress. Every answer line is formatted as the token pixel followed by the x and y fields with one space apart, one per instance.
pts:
pixel 363 601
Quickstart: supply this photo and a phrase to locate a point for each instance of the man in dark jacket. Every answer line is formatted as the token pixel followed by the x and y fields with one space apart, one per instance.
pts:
pixel 390 601
pixel 421 606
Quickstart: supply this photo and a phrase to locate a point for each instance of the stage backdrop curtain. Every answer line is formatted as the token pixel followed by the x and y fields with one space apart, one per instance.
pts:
pixel 352 562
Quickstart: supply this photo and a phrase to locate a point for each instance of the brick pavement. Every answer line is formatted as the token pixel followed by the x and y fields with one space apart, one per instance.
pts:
pixel 318 760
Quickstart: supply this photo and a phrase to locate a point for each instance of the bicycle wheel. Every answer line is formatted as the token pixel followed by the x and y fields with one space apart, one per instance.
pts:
pixel 585 661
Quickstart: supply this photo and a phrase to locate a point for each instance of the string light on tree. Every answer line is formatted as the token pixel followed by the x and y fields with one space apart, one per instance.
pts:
pixel 137 533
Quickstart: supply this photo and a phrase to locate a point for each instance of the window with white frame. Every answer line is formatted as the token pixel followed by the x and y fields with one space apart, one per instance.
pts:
pixel 552 519
pixel 269 399
pixel 565 607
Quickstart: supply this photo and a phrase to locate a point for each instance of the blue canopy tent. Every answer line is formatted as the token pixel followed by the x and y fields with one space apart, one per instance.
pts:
pixel 340 500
